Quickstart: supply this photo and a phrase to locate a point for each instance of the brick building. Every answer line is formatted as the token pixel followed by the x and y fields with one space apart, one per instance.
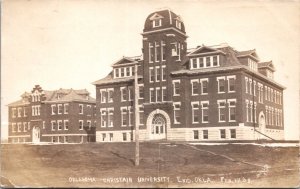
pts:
pixel 204 93
pixel 60 116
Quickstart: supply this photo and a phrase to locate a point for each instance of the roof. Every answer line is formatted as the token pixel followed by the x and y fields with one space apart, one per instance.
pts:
pixel 21 102
pixel 168 19
pixel 124 61
pixel 268 65
pixel 228 68
pixel 110 80
pixel 65 95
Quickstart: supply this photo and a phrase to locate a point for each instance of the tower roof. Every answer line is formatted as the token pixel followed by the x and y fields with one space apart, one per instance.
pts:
pixel 168 20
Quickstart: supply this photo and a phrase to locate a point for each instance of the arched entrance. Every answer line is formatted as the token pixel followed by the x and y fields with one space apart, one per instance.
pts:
pixel 158 127
pixel 36 134
pixel 262 125
pixel 158 123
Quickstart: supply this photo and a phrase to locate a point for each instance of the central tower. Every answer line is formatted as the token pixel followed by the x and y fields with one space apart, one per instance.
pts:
pixel 164 49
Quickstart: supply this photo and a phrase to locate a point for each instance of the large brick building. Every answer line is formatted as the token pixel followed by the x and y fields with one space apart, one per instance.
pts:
pixel 205 93
pixel 60 116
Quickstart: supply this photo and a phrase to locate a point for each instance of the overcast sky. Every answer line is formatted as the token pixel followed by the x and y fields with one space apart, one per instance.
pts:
pixel 69 44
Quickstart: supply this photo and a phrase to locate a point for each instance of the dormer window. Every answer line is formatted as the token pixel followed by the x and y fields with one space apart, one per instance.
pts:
pixel 156 23
pixel 252 64
pixel 269 74
pixel 204 62
pixel 178 24
pixel 123 72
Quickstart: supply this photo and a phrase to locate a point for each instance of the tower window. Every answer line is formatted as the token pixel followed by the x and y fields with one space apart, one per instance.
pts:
pixel 178 24
pixel 156 23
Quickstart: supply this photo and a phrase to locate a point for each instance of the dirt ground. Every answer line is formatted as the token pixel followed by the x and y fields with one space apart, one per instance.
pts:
pixel 161 165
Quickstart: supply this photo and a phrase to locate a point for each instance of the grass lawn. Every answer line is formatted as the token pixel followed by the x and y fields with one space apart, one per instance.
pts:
pixel 161 165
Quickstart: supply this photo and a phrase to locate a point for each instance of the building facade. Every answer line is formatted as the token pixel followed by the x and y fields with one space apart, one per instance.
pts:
pixel 199 94
pixel 60 116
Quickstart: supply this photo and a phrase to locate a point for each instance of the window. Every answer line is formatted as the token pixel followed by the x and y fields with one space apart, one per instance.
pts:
pixel 33 111
pixel 205 134
pixel 254 88
pixel 247 110
pixel 141 115
pixel 59 124
pixel 19 112
pixel 14 112
pixel 266 93
pixel 103 95
pixel 164 94
pixel 222 133
pixel 123 94
pixel 246 84
pixel 195 86
pixel 122 72
pixel 66 139
pixel 156 23
pixel 232 133
pixel 231 83
pixel 59 108
pixel 66 124
pixel 124 116
pixel 103 136
pixel 208 63
pixel 250 86
pixel 53 124
pixel 204 105
pixel 163 50
pixel 195 112
pixel 130 115
pixel 80 124
pixel 194 63
pixel 201 62
pixel 221 106
pixel 151 74
pixel 271 95
pixel 44 125
pixel 178 24
pixel 221 84
pixel 14 129
pixel 103 117
pixel 204 85
pixel 157 68
pixel 28 125
pixel 232 109
pixel 89 124
pixel 176 84
pixel 157 52
pixel 128 72
pixel 215 60
pixel 110 93
pixel 110 117
pixel 80 108
pixel 66 108
pixel 124 136
pixel 111 136
pixel 151 53
pixel 141 91
pixel 176 106
pixel 196 134
pixel 24 126
pixel 158 94
pixel 163 72
pixel 25 111
pixel 53 109
pixel 152 95
pixel 117 73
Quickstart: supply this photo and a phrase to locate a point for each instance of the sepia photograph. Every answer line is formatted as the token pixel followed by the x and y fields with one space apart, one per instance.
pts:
pixel 154 94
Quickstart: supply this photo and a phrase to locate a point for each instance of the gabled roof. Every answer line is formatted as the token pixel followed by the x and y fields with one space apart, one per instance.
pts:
pixel 268 65
pixel 251 53
pixel 204 50
pixel 156 16
pixel 126 61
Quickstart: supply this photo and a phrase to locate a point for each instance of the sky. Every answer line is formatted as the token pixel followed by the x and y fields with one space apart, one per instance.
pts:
pixel 71 43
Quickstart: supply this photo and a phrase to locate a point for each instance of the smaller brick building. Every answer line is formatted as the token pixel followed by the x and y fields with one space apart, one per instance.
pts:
pixel 59 116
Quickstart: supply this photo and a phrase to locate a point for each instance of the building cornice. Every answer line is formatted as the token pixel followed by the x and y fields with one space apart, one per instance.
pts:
pixel 165 29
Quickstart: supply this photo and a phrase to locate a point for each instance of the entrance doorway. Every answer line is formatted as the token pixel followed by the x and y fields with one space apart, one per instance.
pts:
pixel 158 127
pixel 262 125
pixel 36 134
